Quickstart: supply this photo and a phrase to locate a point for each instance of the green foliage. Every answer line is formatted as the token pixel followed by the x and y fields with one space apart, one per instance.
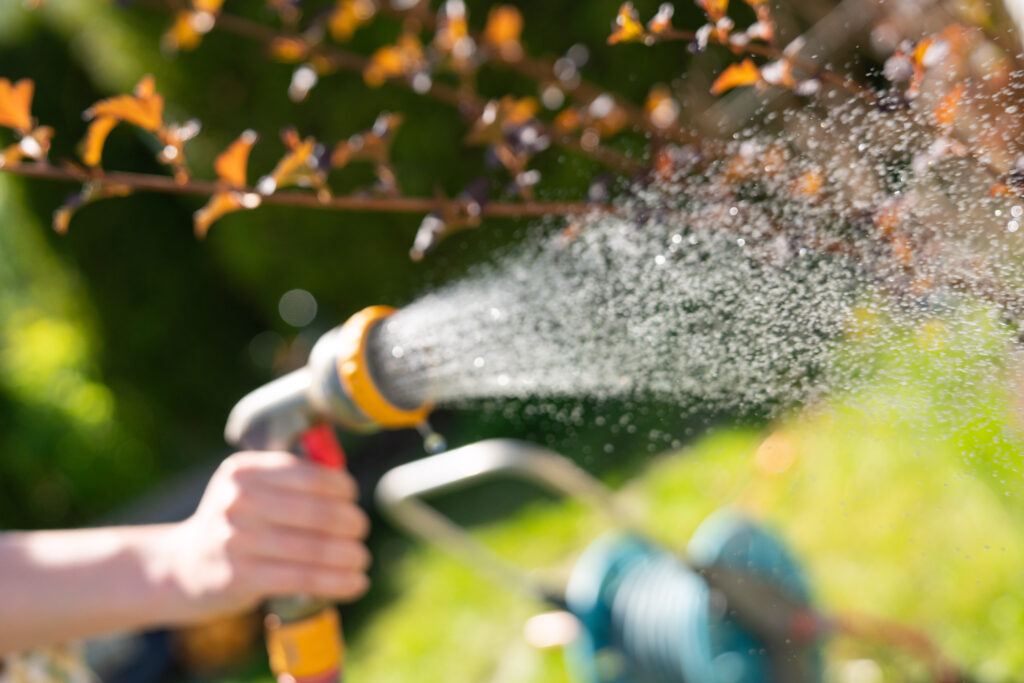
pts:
pixel 60 429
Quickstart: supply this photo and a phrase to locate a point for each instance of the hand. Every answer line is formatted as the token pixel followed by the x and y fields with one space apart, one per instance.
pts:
pixel 268 524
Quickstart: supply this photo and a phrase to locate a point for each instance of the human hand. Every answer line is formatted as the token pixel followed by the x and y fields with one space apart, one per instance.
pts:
pixel 268 524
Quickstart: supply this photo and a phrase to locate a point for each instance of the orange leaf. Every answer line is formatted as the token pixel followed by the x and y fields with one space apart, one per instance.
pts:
pixel 95 137
pixel 945 110
pixel 182 35
pixel 209 6
pixel 453 26
pixel 744 73
pixel 16 104
pixel 231 164
pixel 504 28
pixel 403 58
pixel 347 16
pixel 220 204
pixel 627 27
pixel 144 109
pixel 715 9
pixel 662 21
pixel 519 111
pixel 661 108
pixel 1002 190
pixel 288 49
pixel 568 120
pixel 294 167
pixel 809 184
pixel 62 219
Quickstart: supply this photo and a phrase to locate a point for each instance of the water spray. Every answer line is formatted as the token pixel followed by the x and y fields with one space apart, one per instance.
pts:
pixel 340 385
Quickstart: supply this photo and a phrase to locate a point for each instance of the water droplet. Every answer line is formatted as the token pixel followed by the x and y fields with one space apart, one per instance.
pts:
pixel 434 443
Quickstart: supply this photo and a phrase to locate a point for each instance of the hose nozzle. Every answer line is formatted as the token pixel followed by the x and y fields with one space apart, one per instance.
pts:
pixel 341 383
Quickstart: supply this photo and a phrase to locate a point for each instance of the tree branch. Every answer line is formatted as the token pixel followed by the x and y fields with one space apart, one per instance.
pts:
pixel 419 205
pixel 468 102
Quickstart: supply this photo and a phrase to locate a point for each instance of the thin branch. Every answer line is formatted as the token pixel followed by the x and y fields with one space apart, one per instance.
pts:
pixel 470 103
pixel 541 70
pixel 419 205
pixel 838 81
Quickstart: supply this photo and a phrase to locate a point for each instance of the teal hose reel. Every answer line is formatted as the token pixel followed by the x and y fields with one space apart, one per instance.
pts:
pixel 734 609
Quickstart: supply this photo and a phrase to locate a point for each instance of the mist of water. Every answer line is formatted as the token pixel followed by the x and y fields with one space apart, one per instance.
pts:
pixel 736 287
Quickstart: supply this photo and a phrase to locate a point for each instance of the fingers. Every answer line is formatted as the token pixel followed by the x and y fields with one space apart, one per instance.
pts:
pixel 303 512
pixel 280 470
pixel 328 552
pixel 276 577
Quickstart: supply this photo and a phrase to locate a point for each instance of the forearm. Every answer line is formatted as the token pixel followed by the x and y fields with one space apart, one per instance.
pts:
pixel 60 585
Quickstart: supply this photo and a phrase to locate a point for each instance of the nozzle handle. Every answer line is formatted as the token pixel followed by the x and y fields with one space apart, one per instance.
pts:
pixel 304 634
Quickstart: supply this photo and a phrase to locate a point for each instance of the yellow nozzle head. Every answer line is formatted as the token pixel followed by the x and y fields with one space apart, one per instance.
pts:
pixel 357 380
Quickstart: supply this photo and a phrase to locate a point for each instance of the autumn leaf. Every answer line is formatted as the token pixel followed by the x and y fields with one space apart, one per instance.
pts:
pixel 662 21
pixel 220 204
pixel 453 26
pixel 208 6
pixel 809 184
pixel 374 146
pixel 300 166
pixel 349 15
pixel 764 27
pixel 568 120
pixel 715 9
pixel 744 73
pixel 289 49
pixel 661 108
pixel 404 58
pixel 35 145
pixel 90 192
pixel 95 138
pixel 503 31
pixel 143 109
pixel 946 109
pixel 230 165
pixel 16 104
pixel 190 25
pixel 500 118
pixel 627 27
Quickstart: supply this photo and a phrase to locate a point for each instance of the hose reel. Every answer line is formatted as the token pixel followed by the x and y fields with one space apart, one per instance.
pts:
pixel 735 610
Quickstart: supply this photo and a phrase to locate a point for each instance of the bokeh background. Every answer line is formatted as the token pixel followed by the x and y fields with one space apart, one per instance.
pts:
pixel 124 344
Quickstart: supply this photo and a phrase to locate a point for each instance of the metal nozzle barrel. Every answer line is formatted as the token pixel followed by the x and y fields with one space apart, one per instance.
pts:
pixel 342 383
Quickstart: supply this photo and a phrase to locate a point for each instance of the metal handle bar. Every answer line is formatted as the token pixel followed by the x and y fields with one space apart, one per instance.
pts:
pixel 399 491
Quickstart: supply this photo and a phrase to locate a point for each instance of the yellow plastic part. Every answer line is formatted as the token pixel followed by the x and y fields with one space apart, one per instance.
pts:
pixel 308 648
pixel 354 372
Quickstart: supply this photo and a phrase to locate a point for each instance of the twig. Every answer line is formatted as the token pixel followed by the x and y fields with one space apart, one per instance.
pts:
pixel 541 70
pixel 836 80
pixel 470 103
pixel 167 185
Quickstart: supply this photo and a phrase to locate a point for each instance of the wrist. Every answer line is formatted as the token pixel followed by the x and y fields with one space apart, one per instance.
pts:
pixel 158 550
